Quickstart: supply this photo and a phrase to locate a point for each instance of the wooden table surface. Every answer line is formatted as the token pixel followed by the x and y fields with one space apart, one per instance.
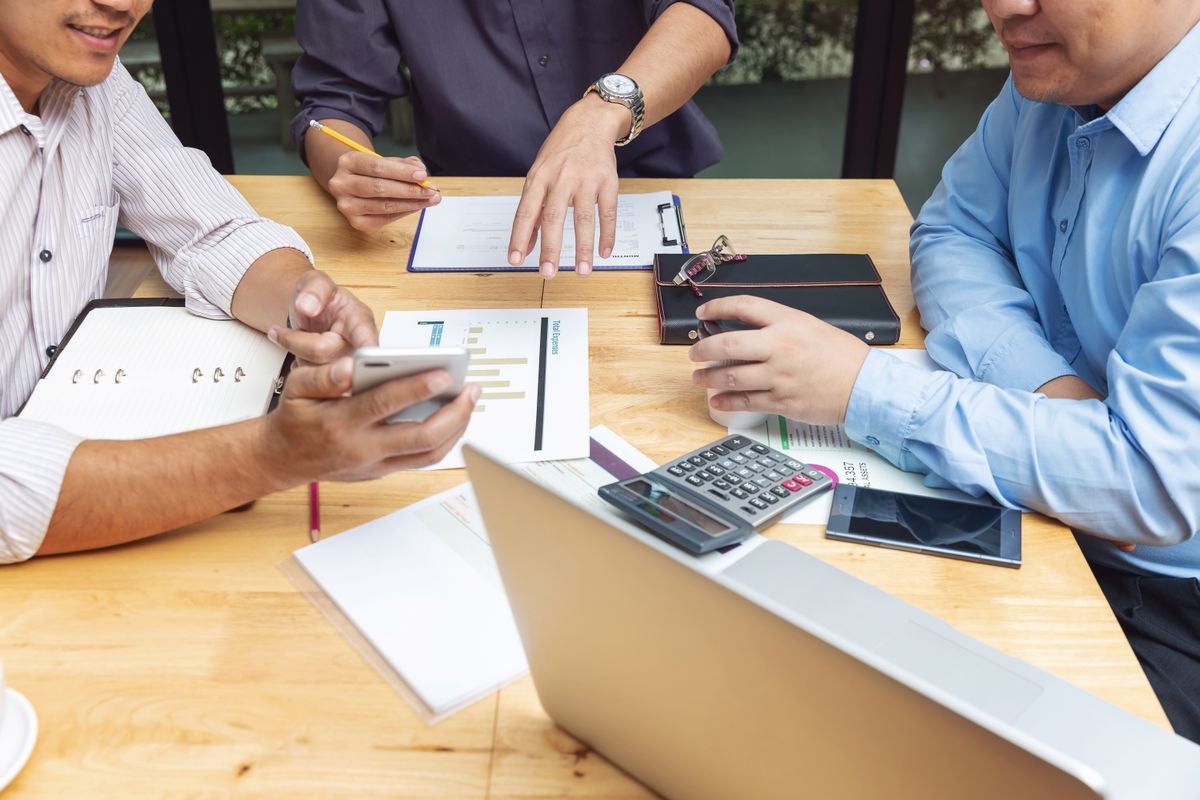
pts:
pixel 188 666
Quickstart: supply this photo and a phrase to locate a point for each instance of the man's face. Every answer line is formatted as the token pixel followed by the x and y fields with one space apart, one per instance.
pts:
pixel 73 40
pixel 1083 52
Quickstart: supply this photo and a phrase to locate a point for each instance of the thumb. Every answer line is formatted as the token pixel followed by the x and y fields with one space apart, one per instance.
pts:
pixel 311 294
pixel 319 382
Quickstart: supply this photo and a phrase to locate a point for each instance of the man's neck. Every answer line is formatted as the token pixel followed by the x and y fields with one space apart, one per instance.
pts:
pixel 27 83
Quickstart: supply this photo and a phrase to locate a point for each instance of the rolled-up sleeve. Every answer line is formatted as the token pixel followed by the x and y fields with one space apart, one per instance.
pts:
pixel 33 461
pixel 720 10
pixel 350 67
pixel 202 233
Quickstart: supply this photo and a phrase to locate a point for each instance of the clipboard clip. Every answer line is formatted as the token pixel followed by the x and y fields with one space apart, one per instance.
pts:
pixel 663 208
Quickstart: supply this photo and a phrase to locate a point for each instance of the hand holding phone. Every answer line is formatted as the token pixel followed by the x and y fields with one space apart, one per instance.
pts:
pixel 376 365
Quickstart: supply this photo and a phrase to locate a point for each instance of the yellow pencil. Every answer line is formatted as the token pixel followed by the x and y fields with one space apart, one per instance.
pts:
pixel 353 145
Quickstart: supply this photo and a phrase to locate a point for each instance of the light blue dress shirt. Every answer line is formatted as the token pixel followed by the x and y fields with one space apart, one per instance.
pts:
pixel 1063 241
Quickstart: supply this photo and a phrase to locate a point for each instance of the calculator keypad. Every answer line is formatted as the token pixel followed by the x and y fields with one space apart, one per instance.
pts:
pixel 746 478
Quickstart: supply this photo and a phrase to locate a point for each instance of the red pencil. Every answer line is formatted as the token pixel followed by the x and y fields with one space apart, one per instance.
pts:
pixel 314 512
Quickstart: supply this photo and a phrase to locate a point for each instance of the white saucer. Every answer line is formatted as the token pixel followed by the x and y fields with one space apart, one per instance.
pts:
pixel 18 732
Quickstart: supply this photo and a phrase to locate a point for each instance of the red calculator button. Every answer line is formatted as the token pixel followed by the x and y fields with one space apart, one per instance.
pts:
pixel 803 480
pixel 791 485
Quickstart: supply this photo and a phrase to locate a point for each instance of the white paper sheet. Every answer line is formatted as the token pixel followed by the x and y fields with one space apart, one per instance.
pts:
pixel 422 587
pixel 828 446
pixel 534 407
pixel 472 233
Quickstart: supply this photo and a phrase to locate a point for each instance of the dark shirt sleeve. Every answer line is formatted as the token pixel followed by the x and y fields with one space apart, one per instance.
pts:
pixel 350 68
pixel 719 10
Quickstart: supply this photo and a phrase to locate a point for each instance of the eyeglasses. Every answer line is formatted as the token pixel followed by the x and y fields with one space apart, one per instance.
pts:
pixel 702 266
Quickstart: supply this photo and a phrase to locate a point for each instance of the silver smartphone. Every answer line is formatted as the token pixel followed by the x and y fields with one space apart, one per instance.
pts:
pixel 975 531
pixel 376 365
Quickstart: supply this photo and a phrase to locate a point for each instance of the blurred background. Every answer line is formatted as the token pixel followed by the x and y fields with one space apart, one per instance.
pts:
pixel 821 88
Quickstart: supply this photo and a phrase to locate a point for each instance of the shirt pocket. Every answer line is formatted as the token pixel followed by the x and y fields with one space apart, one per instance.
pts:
pixel 96 228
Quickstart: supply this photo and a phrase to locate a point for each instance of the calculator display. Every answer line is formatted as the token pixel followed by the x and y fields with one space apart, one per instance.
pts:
pixel 666 507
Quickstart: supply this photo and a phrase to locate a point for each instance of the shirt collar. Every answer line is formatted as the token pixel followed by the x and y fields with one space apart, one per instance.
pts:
pixel 1144 113
pixel 11 112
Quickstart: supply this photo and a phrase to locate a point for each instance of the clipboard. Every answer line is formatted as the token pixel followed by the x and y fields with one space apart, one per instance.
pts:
pixel 661 224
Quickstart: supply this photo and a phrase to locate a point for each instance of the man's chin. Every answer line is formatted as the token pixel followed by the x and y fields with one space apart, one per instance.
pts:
pixel 1041 89
pixel 91 74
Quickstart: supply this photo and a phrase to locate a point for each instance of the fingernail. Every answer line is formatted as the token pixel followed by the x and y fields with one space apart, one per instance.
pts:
pixel 427 192
pixel 273 334
pixel 699 312
pixel 473 392
pixel 308 304
pixel 420 175
pixel 547 269
pixel 583 268
pixel 515 258
pixel 606 252
pixel 340 370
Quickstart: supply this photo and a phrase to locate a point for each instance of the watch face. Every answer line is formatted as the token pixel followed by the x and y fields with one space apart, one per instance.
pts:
pixel 618 85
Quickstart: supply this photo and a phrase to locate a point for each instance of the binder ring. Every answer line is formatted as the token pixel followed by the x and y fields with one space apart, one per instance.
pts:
pixel 98 376
pixel 120 374
pixel 197 374
pixel 238 374
pixel 218 373
pixel 78 374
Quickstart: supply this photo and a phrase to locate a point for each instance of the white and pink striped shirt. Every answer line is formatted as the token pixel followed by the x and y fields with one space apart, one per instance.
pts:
pixel 91 158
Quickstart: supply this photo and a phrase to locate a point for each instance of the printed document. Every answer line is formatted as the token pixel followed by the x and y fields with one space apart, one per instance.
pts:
pixel 421 586
pixel 473 233
pixel 532 366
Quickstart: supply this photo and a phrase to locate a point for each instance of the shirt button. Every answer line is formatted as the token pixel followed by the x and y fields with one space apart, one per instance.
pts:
pixel 1062 226
pixel 871 440
pixel 45 256
pixel 544 60
pixel 1084 144
pixel 50 351
pixel 26 131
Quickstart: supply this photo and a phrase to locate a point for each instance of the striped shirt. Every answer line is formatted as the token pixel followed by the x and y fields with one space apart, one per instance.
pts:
pixel 92 158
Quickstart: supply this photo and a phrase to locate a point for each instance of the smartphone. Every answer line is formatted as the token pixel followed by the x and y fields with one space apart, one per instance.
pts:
pixel 974 531
pixel 376 365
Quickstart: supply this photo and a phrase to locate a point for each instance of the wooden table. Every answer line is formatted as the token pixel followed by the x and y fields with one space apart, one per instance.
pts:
pixel 188 666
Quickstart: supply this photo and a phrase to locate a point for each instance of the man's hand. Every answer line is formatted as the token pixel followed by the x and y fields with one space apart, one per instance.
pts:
pixel 804 368
pixel 318 432
pixel 372 192
pixel 575 168
pixel 327 321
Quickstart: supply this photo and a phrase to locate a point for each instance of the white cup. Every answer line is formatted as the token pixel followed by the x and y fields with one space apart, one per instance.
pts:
pixel 732 419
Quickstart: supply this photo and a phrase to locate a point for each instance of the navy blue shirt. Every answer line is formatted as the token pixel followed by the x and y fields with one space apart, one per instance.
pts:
pixel 489 78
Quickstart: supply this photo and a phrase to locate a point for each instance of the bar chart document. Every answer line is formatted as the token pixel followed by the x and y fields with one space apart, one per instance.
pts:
pixel 472 233
pixel 531 365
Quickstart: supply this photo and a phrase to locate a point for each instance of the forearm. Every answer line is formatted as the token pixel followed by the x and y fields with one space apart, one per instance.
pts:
pixel 264 294
pixel 668 72
pixel 115 492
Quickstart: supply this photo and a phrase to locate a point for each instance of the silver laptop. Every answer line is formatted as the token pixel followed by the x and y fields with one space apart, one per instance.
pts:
pixel 783 677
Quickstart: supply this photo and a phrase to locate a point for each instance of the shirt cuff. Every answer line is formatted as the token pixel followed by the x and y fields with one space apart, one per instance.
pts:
pixel 1025 361
pixel 215 272
pixel 884 403
pixel 33 461
pixel 318 112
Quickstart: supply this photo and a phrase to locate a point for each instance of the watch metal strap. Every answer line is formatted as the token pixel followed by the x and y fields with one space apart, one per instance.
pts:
pixel 637 108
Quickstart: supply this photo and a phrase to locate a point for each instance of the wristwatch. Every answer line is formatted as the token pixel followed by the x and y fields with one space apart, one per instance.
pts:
pixel 617 88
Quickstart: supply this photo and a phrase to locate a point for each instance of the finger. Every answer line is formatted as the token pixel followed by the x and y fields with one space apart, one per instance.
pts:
pixel 1125 547
pixel 360 329
pixel 319 382
pixel 763 402
pixel 526 221
pixel 733 346
pixel 310 294
pixel 379 207
pixel 755 311
pixel 373 223
pixel 439 431
pixel 742 378
pixel 388 168
pixel 395 395
pixel 608 218
pixel 554 217
pixel 368 186
pixel 313 347
pixel 585 230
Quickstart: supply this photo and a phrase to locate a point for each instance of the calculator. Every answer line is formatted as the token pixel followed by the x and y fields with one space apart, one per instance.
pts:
pixel 718 495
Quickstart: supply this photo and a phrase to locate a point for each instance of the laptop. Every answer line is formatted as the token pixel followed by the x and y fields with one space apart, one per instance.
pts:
pixel 783 677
